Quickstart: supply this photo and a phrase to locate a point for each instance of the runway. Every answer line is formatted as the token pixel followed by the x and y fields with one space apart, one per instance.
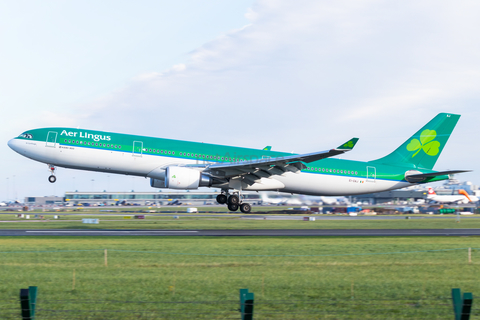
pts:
pixel 244 232
pixel 255 216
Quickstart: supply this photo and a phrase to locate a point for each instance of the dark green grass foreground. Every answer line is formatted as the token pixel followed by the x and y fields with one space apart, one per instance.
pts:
pixel 292 278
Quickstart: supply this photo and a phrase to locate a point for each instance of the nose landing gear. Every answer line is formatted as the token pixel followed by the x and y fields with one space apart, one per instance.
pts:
pixel 52 177
pixel 233 202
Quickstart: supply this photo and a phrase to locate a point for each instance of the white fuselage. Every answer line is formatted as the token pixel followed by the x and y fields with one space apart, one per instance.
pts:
pixel 123 162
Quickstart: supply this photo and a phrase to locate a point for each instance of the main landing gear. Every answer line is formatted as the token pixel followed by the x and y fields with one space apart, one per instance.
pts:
pixel 233 202
pixel 52 177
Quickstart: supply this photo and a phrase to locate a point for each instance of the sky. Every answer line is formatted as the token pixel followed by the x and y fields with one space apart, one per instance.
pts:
pixel 301 76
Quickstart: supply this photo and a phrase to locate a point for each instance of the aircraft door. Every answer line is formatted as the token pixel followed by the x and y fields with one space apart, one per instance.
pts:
pixel 371 174
pixel 137 148
pixel 51 139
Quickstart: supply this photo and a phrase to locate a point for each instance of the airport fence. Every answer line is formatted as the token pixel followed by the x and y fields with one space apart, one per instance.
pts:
pixel 292 307
pixel 105 252
pixel 246 308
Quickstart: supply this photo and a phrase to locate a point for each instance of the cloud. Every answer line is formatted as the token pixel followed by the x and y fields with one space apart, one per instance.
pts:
pixel 303 68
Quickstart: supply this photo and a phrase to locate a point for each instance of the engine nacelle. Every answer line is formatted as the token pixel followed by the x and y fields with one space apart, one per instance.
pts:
pixel 157 183
pixel 186 178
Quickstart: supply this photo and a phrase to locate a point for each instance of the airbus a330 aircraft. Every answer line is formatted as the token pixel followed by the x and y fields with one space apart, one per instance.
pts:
pixel 178 164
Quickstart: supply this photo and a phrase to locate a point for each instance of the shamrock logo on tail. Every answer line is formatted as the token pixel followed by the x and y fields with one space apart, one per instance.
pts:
pixel 349 144
pixel 426 144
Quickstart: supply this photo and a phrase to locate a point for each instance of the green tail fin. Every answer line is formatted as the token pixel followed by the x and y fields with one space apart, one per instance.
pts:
pixel 424 147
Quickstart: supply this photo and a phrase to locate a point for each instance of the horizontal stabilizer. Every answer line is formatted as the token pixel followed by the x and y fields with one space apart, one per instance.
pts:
pixel 423 176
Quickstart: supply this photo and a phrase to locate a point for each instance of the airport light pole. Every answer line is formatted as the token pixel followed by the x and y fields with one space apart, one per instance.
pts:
pixel 14 190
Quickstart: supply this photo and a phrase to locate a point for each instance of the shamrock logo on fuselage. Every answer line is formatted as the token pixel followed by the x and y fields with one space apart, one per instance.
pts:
pixel 426 143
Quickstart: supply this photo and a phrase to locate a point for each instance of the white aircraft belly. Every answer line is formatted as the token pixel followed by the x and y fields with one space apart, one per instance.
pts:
pixel 333 185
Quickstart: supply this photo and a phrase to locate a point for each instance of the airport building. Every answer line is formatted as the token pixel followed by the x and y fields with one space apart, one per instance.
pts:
pixel 150 198
pixel 452 186
pixel 400 196
pixel 44 201
pixel 393 196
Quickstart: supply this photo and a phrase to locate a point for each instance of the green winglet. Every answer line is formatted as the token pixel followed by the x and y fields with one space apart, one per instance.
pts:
pixel 348 145
pixel 267 148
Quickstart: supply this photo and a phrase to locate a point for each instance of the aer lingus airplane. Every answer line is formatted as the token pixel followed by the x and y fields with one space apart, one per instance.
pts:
pixel 178 164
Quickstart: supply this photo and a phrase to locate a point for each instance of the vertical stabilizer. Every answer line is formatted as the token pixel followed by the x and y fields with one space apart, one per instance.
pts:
pixel 423 148
pixel 463 192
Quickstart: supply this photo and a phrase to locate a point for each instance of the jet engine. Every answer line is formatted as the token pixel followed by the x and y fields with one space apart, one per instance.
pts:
pixel 185 178
pixel 157 183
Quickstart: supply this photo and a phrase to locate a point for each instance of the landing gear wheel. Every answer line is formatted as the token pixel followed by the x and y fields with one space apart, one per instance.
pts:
pixel 245 208
pixel 222 199
pixel 52 178
pixel 233 199
pixel 233 207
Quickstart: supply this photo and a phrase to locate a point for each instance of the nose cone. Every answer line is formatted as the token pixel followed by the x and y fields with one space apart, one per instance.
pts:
pixel 13 144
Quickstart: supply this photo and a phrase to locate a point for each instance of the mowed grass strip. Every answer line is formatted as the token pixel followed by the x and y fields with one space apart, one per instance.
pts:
pixel 292 278
pixel 108 221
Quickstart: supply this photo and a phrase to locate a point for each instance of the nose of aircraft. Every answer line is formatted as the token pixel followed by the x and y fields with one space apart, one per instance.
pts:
pixel 12 144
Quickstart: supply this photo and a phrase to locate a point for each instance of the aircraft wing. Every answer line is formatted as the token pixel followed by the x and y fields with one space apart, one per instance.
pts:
pixel 252 170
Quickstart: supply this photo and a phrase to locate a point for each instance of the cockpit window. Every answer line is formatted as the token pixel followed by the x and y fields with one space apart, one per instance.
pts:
pixel 26 135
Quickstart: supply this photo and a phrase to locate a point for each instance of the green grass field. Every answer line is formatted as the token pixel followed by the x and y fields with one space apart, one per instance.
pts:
pixel 190 277
pixel 112 221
